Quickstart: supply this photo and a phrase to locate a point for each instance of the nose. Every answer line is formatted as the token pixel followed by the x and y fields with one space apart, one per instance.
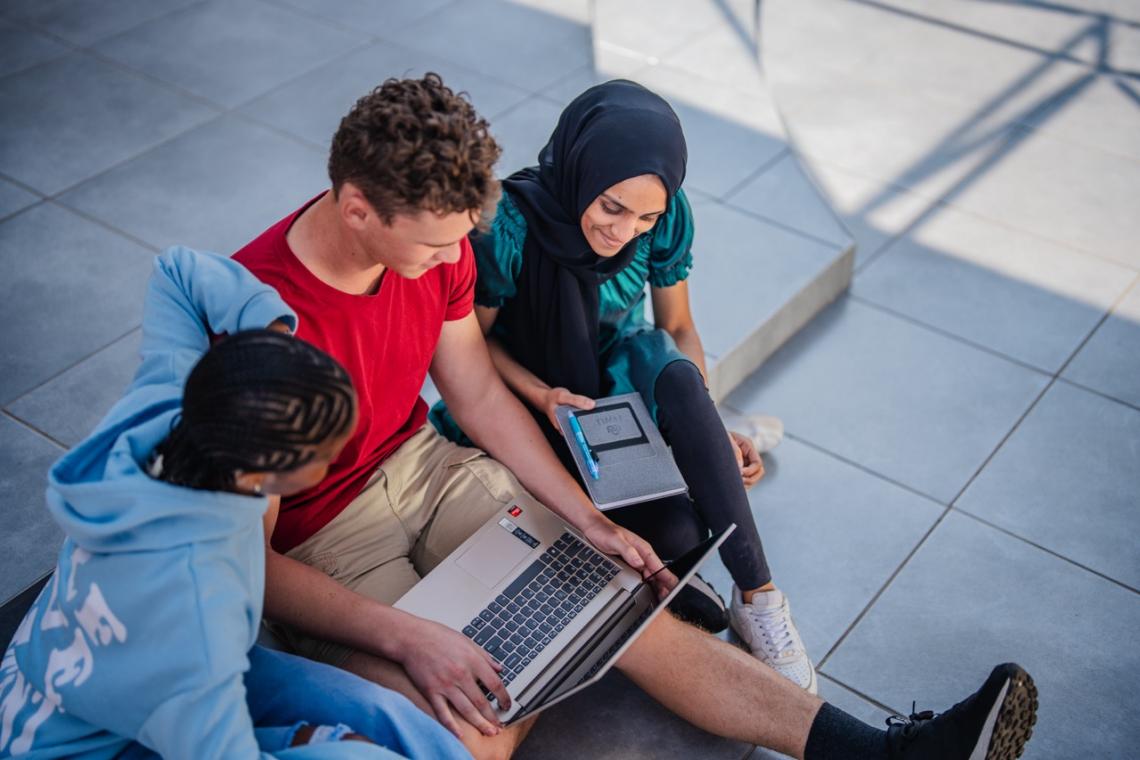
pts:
pixel 448 255
pixel 625 230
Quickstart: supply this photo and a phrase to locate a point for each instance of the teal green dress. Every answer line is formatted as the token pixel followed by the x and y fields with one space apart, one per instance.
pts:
pixel 632 350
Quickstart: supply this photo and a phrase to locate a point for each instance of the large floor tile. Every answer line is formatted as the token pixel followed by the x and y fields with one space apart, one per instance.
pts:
pixel 313 105
pixel 783 194
pixel 646 30
pixel 626 723
pixel 731 132
pixel 1110 361
pixel 524 46
pixel 97 116
pixel 70 288
pixel 1007 82
pixel 906 402
pixel 13 198
pixel 30 539
pixel 1067 479
pixel 214 188
pixel 727 53
pixel 383 18
pixel 973 597
pixel 1022 296
pixel 230 52
pixel 913 140
pixel 1096 32
pixel 873 212
pixel 832 534
pixel 82 22
pixel 523 132
pixel 21 48
pixel 1064 176
pixel 744 271
pixel 69 406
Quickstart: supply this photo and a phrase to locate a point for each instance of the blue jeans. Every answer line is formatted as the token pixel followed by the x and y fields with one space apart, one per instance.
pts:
pixel 283 690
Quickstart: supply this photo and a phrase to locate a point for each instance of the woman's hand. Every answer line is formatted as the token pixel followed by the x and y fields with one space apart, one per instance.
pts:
pixel 747 459
pixel 447 667
pixel 553 397
pixel 611 538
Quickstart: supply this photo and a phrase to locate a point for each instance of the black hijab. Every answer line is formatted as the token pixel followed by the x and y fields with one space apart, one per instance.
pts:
pixel 609 133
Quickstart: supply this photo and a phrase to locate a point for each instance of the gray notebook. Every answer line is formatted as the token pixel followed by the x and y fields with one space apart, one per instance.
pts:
pixel 630 458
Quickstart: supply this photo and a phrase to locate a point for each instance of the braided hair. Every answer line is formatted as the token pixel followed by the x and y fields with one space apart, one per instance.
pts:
pixel 257 401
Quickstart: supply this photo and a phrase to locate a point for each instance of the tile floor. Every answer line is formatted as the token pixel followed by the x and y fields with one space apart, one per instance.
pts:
pixel 961 476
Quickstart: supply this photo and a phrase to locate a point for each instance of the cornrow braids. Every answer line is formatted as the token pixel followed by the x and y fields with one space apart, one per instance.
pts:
pixel 257 401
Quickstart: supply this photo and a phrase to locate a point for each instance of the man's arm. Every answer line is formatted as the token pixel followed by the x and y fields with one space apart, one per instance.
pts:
pixel 442 663
pixel 495 419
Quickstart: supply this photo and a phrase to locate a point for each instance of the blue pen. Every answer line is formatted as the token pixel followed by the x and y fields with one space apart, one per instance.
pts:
pixel 580 437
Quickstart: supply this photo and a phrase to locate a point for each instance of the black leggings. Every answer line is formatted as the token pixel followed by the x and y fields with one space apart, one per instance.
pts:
pixel 689 423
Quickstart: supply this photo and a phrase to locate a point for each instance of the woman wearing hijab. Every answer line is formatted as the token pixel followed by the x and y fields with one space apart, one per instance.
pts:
pixel 560 293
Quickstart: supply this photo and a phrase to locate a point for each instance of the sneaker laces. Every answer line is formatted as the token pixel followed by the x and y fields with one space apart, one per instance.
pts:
pixel 908 725
pixel 775 625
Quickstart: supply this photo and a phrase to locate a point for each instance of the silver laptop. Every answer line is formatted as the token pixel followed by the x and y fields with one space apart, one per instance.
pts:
pixel 542 601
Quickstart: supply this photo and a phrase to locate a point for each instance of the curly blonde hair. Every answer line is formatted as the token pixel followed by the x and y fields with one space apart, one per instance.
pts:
pixel 412 145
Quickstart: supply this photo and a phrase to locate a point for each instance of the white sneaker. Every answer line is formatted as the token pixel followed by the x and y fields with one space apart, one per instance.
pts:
pixel 767 627
pixel 765 432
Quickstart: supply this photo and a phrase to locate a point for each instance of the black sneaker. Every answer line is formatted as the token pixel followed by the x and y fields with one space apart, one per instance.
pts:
pixel 994 723
pixel 699 604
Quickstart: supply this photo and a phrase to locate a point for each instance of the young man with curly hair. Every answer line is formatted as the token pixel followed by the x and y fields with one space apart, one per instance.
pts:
pixel 381 275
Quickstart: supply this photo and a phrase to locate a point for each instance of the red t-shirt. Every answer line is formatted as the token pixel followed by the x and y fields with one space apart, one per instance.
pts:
pixel 385 341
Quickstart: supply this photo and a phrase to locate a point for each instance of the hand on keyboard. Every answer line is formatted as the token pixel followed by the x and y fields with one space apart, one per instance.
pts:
pixel 614 539
pixel 448 668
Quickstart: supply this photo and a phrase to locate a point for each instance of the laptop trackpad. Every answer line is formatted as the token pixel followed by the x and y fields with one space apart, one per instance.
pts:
pixel 494 555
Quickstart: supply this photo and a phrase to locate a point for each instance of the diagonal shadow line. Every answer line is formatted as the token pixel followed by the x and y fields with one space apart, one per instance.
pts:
pixel 1067 10
pixel 953 147
pixel 747 39
pixel 1128 91
pixel 991 37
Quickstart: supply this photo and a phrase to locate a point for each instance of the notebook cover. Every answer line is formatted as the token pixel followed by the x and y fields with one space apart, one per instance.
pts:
pixel 634 464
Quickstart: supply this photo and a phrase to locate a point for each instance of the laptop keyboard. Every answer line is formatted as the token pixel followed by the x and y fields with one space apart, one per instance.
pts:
pixel 539 604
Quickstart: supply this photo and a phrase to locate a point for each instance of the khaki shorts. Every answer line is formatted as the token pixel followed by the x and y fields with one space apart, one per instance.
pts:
pixel 425 500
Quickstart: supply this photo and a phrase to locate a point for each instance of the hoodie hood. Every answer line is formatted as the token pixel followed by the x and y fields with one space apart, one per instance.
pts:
pixel 103 498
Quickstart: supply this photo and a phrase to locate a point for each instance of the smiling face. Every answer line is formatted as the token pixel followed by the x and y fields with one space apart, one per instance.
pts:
pixel 622 212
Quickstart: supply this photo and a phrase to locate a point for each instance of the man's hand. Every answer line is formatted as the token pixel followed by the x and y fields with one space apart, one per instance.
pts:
pixel 554 397
pixel 747 459
pixel 445 666
pixel 611 538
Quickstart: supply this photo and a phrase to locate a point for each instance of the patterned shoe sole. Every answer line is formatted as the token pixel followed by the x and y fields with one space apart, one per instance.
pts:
pixel 1015 720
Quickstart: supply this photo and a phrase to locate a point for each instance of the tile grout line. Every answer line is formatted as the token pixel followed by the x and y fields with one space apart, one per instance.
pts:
pixel 65 370
pixel 916 322
pixel 883 589
pixel 937 200
pixel 1047 550
pixel 787 227
pixel 865 697
pixel 754 174
pixel 4 413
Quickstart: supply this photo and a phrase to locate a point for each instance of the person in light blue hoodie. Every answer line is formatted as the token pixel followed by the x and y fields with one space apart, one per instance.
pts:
pixel 143 640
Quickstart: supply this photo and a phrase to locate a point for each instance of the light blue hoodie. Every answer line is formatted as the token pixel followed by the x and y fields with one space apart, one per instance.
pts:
pixel 143 631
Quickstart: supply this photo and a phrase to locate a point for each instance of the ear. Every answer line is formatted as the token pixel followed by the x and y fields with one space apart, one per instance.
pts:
pixel 250 482
pixel 353 207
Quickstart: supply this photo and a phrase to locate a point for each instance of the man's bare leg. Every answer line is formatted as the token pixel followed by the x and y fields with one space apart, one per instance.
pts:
pixel 718 687
pixel 392 676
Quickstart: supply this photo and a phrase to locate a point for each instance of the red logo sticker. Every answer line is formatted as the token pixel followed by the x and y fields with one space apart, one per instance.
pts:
pixel 514 511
